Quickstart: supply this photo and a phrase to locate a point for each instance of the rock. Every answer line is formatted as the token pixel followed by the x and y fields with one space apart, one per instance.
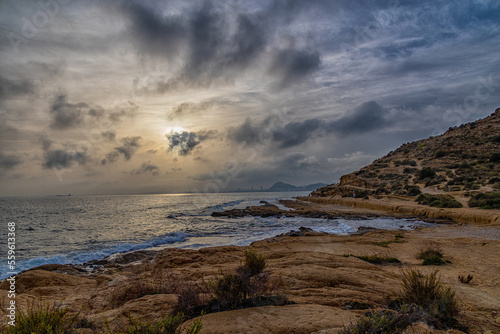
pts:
pixel 277 319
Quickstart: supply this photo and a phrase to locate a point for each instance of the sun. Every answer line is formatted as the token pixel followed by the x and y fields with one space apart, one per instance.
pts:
pixel 175 129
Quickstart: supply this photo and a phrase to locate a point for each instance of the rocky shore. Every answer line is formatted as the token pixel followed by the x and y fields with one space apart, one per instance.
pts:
pixel 323 275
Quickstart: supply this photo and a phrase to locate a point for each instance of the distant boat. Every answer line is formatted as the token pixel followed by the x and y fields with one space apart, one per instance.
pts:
pixel 63 195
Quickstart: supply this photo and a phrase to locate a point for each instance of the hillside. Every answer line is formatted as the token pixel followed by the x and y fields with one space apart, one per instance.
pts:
pixel 459 168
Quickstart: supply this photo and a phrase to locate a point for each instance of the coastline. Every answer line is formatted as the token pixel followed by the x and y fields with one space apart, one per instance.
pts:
pixel 312 270
pixel 400 207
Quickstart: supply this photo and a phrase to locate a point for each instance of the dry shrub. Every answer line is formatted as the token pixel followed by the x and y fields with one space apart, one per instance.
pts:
pixel 435 299
pixel 190 299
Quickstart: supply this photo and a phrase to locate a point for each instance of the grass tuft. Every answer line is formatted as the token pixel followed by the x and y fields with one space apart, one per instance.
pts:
pixel 43 319
pixel 427 292
pixel 254 263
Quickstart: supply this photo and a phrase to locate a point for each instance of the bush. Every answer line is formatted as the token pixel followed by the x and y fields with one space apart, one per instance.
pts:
pixel 495 157
pixel 413 190
pixel 485 200
pixel 440 154
pixel 42 319
pixel 249 286
pixel 379 322
pixel 189 301
pixel 254 263
pixel 439 201
pixel 227 291
pixel 427 292
pixel 426 173
pixel 409 170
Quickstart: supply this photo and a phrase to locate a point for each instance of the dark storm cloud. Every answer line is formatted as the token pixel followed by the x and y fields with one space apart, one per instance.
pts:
pixel 296 133
pixel 289 66
pixel 214 43
pixel 61 159
pixel 154 33
pixel 147 167
pixel 127 149
pixel 66 115
pixel 185 142
pixel 248 132
pixel 11 88
pixel 109 135
pixel 366 117
pixel 8 161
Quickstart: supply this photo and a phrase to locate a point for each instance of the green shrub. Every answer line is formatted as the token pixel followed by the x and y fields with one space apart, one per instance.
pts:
pixel 426 173
pixel 413 190
pixel 42 319
pixel 409 170
pixel 433 260
pixel 380 322
pixel 485 200
pixel 439 201
pixel 428 252
pixel 427 292
pixel 431 256
pixel 495 157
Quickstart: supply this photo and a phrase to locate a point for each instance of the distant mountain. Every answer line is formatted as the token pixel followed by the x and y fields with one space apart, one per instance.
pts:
pixel 281 186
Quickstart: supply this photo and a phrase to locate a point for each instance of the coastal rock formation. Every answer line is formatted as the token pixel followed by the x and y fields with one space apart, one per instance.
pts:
pixel 315 271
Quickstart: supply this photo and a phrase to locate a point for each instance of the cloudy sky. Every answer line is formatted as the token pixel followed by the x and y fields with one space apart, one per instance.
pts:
pixel 180 96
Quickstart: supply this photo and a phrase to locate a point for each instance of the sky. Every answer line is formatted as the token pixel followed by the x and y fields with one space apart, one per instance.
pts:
pixel 115 97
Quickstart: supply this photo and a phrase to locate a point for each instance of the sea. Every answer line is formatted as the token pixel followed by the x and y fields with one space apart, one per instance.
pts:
pixel 77 229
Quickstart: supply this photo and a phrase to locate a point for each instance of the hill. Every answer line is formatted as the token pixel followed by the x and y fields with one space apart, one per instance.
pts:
pixel 459 168
pixel 281 186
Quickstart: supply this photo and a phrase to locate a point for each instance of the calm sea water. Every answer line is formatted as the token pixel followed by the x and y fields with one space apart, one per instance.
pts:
pixel 77 229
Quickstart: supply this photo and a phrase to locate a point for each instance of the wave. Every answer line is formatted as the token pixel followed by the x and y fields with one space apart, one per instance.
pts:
pixel 80 257
pixel 223 206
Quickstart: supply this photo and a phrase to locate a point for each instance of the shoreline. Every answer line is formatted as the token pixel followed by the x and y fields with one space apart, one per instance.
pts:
pixel 400 207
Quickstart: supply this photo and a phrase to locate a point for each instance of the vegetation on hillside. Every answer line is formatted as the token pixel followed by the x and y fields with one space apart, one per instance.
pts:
pixel 463 159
